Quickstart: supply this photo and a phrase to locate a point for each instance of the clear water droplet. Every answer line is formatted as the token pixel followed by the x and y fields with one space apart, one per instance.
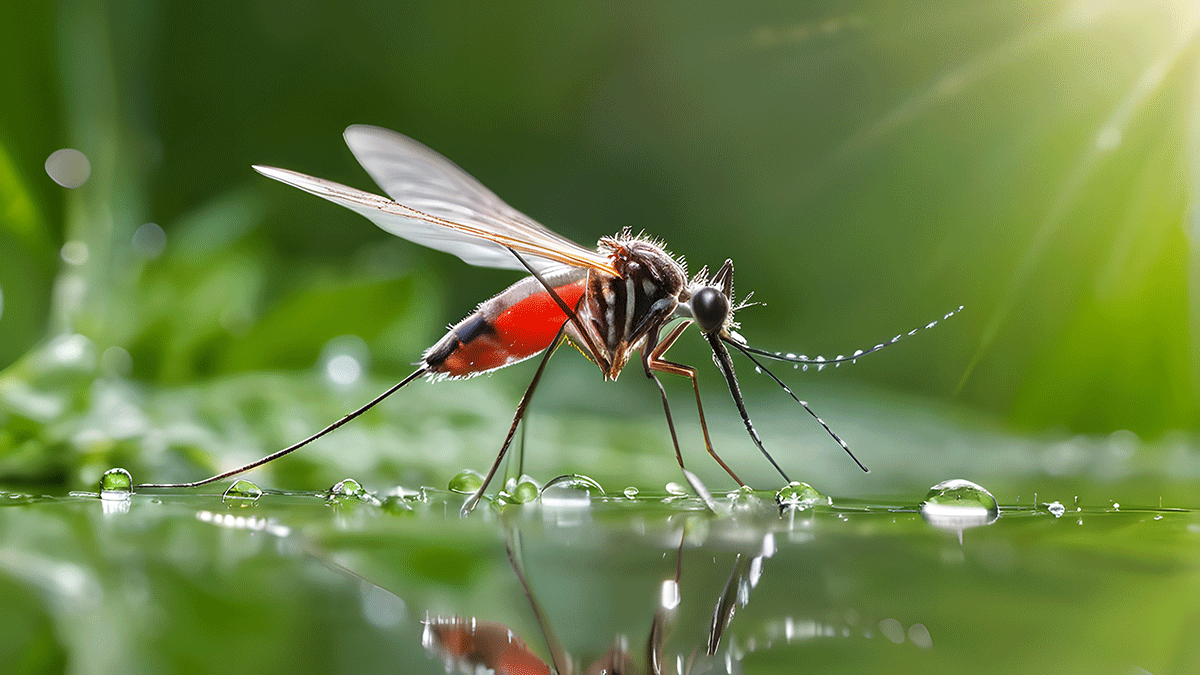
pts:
pixel 468 481
pixel 958 504
pixel 1056 509
pixel 630 492
pixel 571 491
pixel 797 496
pixel 242 493
pixel 676 490
pixel 116 480
pixel 523 491
pixel 347 488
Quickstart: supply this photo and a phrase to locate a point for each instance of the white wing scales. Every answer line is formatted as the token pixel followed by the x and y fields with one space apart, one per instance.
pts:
pixel 440 206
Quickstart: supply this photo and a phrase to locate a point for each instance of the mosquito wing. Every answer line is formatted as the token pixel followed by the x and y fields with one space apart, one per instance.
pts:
pixel 440 206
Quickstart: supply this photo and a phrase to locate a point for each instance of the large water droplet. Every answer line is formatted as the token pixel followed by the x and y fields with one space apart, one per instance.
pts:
pixel 116 480
pixel 526 490
pixel 468 481
pixel 571 491
pixel 1056 509
pixel 347 488
pixel 797 496
pixel 242 493
pixel 630 492
pixel 958 504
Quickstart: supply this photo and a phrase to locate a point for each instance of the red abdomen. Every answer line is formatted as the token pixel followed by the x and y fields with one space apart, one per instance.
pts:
pixel 502 331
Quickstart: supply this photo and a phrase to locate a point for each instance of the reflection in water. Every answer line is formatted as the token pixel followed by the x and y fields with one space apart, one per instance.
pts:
pixel 470 645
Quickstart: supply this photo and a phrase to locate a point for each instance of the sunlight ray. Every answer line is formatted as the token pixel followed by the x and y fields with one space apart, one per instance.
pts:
pixel 1107 136
pixel 974 70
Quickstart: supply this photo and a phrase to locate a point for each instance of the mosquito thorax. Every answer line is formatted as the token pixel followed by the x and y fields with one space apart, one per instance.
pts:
pixel 710 309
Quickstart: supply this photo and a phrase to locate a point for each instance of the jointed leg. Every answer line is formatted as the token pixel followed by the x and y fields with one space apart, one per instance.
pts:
pixel 653 362
pixel 537 376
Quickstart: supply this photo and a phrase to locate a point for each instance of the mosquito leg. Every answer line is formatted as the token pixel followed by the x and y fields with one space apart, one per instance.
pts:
pixel 292 448
pixel 469 506
pixel 653 361
pixel 725 364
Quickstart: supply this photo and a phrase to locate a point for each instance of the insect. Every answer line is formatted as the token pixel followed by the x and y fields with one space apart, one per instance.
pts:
pixel 610 302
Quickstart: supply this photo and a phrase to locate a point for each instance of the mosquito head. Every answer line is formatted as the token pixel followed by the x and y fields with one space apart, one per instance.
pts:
pixel 711 300
pixel 710 308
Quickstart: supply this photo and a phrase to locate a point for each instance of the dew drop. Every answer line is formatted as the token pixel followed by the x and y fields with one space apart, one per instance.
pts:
pixel 242 493
pixel 676 490
pixel 630 492
pixel 68 167
pixel 797 496
pixel 958 504
pixel 1056 509
pixel 116 480
pixel 468 481
pixel 347 488
pixel 523 491
pixel 573 491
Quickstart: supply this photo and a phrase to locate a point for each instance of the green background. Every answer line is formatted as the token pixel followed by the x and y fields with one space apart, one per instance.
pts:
pixel 868 165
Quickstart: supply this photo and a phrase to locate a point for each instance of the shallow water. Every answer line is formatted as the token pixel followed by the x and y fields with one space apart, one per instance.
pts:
pixel 198 582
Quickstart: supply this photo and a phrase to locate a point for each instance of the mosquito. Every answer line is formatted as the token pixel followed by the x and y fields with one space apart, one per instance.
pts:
pixel 609 303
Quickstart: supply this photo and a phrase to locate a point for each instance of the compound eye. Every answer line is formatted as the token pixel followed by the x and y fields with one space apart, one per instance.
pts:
pixel 710 308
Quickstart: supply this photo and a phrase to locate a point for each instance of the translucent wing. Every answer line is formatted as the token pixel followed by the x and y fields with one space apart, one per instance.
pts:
pixel 440 206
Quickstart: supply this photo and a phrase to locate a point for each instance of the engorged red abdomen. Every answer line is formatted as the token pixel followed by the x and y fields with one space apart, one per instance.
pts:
pixel 525 328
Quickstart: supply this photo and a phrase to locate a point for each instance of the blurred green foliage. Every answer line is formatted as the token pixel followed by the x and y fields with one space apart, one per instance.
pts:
pixel 868 165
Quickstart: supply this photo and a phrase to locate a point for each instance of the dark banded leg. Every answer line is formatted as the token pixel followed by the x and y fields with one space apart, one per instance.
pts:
pixel 296 446
pixel 469 506
pixel 653 362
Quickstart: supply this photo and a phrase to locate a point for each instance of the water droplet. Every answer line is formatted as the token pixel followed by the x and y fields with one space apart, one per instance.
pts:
pixel 74 252
pixel 523 491
pixel 149 241
pixel 116 480
pixel 571 491
pixel 242 493
pixel 797 496
pixel 958 504
pixel 676 490
pixel 468 481
pixel 630 492
pixel 1056 509
pixel 68 167
pixel 347 488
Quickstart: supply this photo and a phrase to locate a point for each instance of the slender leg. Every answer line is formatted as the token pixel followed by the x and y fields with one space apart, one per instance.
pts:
pixel 292 448
pixel 721 356
pixel 469 506
pixel 653 362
